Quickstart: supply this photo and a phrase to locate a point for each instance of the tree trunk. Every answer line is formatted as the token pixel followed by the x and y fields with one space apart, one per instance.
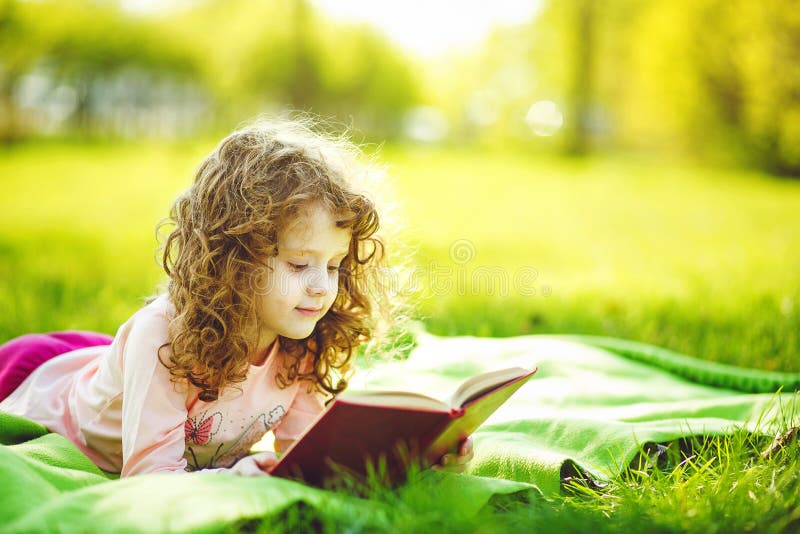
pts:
pixel 582 78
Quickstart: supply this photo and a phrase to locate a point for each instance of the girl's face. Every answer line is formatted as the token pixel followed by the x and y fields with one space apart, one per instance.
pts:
pixel 302 281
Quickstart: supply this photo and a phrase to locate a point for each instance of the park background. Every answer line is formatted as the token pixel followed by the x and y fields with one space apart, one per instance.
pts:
pixel 624 168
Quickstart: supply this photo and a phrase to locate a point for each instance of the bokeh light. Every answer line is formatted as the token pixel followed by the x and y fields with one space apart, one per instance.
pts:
pixel 544 118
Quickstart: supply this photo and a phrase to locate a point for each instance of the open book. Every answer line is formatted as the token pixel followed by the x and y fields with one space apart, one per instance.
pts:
pixel 394 429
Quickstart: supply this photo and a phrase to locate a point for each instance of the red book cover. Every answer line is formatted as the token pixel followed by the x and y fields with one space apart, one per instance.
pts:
pixel 394 430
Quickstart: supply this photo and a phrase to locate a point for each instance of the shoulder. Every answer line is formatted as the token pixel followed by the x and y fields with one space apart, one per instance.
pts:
pixel 153 316
pixel 161 307
pixel 147 329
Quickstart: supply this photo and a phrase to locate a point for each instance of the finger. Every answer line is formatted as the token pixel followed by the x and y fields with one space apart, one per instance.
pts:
pixel 452 467
pixel 461 460
pixel 248 467
pixel 449 468
pixel 466 447
pixel 265 460
pixel 448 460
pixel 458 468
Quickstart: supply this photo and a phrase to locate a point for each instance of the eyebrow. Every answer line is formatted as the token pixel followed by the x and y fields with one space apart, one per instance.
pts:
pixel 311 251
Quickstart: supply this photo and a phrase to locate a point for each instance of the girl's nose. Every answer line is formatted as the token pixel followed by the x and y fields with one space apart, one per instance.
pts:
pixel 318 284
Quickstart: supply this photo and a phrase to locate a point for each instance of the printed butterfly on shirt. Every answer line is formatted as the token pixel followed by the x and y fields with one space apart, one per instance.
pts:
pixel 199 430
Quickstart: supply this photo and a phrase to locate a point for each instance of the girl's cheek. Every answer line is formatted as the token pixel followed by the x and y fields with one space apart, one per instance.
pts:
pixel 261 282
pixel 333 282
pixel 302 281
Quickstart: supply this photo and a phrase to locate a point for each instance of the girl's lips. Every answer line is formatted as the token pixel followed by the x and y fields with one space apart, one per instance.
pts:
pixel 309 312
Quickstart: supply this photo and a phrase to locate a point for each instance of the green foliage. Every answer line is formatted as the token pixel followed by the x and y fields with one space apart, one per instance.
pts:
pixel 769 49
pixel 81 46
pixel 722 70
pixel 709 78
pixel 711 75
pixel 242 57
pixel 83 40
pixel 332 68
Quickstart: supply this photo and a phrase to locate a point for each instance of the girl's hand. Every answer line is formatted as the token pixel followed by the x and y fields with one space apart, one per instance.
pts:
pixel 256 464
pixel 456 463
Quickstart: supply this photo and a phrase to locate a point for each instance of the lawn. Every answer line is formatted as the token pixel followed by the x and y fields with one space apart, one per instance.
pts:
pixel 705 261
pixel 700 260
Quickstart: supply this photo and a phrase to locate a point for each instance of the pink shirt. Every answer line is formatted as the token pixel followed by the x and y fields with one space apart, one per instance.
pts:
pixel 118 405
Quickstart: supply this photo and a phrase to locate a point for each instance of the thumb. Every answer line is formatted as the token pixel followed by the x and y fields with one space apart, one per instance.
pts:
pixel 265 460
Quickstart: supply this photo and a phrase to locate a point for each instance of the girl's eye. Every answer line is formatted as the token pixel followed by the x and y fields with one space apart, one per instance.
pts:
pixel 333 268
pixel 297 266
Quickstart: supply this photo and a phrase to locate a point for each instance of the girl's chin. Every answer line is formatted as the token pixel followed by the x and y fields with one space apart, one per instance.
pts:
pixel 298 334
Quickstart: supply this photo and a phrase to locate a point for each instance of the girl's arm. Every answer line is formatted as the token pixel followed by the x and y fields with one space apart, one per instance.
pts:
pixel 303 412
pixel 153 411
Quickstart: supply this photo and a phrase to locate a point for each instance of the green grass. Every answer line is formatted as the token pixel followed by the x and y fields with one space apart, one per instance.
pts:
pixel 714 485
pixel 703 261
pixel 77 232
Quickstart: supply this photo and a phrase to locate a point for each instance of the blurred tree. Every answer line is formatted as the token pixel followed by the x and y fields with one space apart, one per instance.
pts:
pixel 93 43
pixel 364 77
pixel 712 74
pixel 554 63
pixel 688 75
pixel 263 56
pixel 769 63
pixel 698 76
pixel 486 94
pixel 19 50
pixel 86 50
pixel 581 27
pixel 110 71
pixel 305 59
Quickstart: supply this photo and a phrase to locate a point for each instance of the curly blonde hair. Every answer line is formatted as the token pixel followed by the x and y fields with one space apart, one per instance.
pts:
pixel 254 183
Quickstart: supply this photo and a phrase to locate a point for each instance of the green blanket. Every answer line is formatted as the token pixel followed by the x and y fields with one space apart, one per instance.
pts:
pixel 592 404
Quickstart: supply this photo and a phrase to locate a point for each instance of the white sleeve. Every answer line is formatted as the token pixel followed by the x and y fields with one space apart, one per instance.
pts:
pixel 153 410
pixel 304 410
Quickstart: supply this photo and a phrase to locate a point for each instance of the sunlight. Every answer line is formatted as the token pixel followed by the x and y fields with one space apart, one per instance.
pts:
pixel 544 118
pixel 431 27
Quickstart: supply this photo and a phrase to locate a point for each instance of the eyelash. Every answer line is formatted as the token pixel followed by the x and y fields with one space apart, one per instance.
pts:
pixel 298 267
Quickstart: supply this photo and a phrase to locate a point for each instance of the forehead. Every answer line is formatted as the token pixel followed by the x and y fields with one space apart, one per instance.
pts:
pixel 314 230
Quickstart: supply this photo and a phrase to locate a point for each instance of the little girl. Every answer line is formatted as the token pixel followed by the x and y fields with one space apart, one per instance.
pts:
pixel 269 295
